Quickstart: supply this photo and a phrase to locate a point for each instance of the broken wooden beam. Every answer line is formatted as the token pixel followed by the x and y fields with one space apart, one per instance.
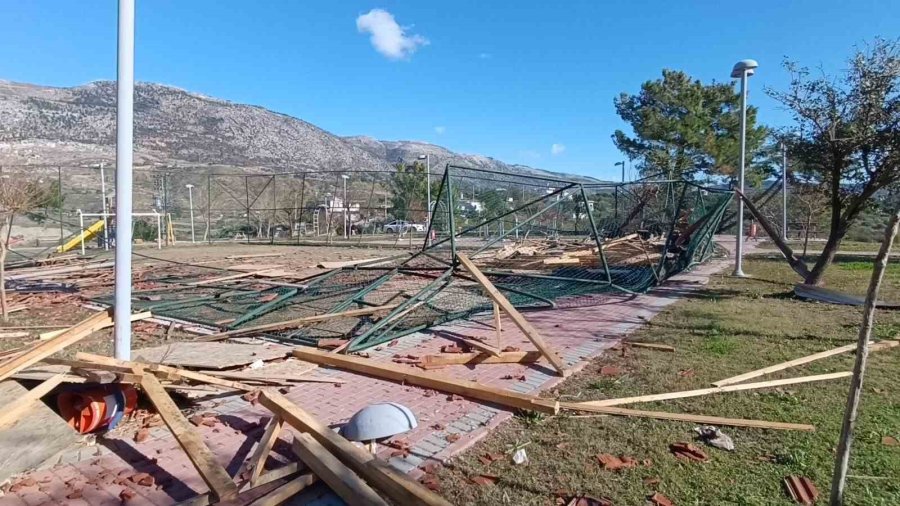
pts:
pixel 101 362
pixel 715 390
pixel 51 346
pixel 187 436
pixel 398 487
pixel 530 332
pixel 286 491
pixel 652 346
pixel 791 363
pixel 261 453
pixel 103 325
pixel 427 380
pixel 685 417
pixel 340 479
pixel 506 357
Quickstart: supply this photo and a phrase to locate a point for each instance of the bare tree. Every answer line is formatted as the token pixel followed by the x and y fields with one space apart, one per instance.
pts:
pixel 847 137
pixel 17 196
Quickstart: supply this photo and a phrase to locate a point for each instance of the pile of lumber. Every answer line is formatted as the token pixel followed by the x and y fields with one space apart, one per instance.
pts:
pixel 552 254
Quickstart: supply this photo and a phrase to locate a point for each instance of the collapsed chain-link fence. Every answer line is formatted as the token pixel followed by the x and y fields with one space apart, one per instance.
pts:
pixel 536 239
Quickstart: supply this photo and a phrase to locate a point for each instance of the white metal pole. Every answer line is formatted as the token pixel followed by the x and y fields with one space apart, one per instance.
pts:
pixel 105 211
pixel 784 192
pixel 428 204
pixel 190 188
pixel 124 161
pixel 81 231
pixel 346 209
pixel 158 230
pixel 739 235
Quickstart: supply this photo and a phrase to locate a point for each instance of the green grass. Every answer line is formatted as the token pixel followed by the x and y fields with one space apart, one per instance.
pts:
pixel 846 246
pixel 734 326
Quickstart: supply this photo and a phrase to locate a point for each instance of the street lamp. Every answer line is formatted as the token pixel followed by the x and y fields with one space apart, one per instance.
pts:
pixel 427 159
pixel 784 192
pixel 190 189
pixel 742 70
pixel 622 163
pixel 105 210
pixel 345 177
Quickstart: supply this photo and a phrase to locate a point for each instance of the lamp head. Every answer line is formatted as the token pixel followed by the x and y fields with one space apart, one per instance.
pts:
pixel 748 66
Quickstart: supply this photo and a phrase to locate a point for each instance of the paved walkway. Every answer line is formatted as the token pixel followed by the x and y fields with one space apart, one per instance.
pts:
pixel 580 331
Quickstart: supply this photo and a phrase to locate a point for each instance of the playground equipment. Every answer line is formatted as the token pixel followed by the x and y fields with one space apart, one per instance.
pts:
pixel 86 234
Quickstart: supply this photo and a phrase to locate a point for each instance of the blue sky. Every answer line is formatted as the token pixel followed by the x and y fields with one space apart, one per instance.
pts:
pixel 502 78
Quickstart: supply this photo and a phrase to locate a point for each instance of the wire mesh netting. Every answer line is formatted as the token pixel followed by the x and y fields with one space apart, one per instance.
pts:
pixel 537 239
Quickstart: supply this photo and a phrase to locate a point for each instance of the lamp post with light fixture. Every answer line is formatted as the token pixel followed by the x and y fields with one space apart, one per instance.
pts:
pixel 742 70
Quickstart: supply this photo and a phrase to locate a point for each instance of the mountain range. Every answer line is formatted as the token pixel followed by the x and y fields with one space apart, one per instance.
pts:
pixel 75 126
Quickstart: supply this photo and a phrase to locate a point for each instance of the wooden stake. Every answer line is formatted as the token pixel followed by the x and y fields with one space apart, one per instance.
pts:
pixel 530 332
pixel 344 482
pixel 187 436
pixel 842 460
pixel 102 362
pixel 715 390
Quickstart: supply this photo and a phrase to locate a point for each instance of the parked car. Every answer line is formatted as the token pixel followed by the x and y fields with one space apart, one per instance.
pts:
pixel 401 226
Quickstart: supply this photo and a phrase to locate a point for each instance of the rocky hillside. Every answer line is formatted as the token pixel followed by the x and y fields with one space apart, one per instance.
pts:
pixel 74 126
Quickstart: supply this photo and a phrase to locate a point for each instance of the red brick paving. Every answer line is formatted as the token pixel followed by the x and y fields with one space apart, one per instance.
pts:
pixel 582 329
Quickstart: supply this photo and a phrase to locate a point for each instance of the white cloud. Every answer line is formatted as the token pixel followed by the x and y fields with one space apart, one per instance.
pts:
pixel 484 56
pixel 440 130
pixel 557 149
pixel 388 37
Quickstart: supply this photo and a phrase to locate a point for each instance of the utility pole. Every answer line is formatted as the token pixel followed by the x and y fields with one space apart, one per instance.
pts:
pixel 622 163
pixel 784 192
pixel 59 203
pixel 124 162
pixel 428 193
pixel 345 177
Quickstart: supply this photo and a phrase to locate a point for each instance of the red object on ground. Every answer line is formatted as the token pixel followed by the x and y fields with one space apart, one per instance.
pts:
pixel 95 408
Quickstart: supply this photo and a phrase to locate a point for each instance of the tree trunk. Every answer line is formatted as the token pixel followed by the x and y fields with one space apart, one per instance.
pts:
pixel 835 236
pixel 842 460
pixel 796 264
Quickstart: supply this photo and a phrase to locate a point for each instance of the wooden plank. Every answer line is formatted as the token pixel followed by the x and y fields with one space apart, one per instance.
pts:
pixel 261 453
pixel 187 436
pixel 124 365
pixel 37 437
pixel 411 376
pixel 651 346
pixel 530 332
pixel 398 487
pixel 508 357
pixel 253 255
pixel 248 493
pixel 51 346
pixel 684 417
pixel 270 378
pixel 12 411
pixel 343 481
pixel 369 262
pixel 222 279
pixel 716 390
pixel 561 261
pixel 785 365
pixel 286 491
pixel 296 322
pixel 212 355
pixel 135 317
